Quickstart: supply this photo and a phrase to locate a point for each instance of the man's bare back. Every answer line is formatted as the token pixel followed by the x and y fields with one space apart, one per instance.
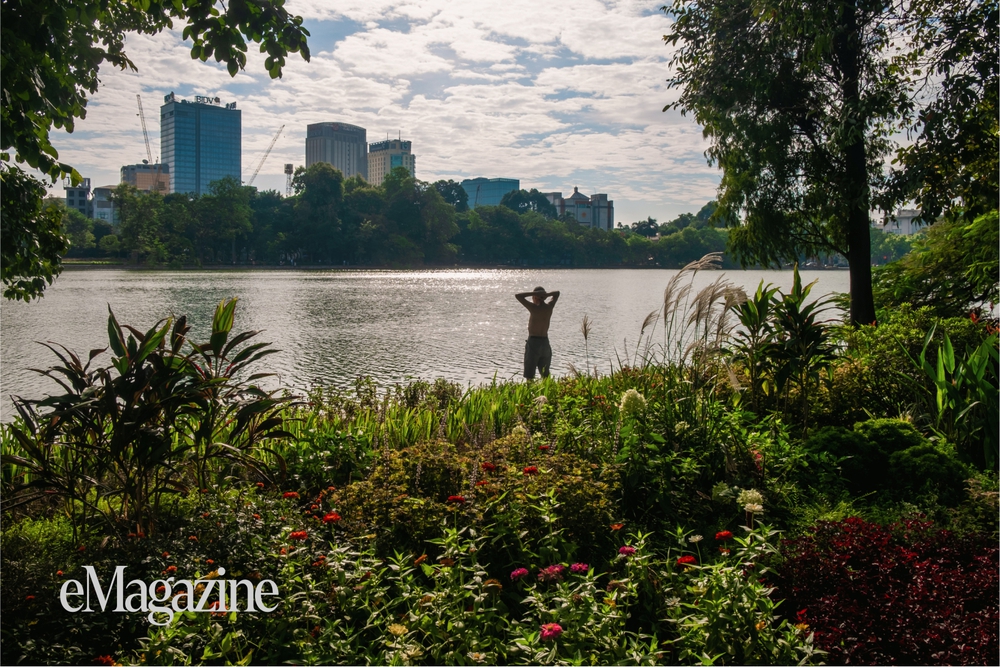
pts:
pixel 537 353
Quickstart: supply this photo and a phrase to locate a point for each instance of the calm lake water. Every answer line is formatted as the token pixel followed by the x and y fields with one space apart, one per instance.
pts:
pixel 331 326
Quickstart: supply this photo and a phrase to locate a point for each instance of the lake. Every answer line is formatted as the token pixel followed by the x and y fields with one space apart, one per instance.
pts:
pixel 332 326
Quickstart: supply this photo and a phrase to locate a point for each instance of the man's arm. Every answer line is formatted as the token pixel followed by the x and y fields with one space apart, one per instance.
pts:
pixel 555 297
pixel 523 298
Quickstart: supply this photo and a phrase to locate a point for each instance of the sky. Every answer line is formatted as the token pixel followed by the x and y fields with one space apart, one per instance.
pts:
pixel 557 94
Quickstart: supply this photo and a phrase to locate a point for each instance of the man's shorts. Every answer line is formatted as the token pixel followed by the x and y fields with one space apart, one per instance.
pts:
pixel 537 354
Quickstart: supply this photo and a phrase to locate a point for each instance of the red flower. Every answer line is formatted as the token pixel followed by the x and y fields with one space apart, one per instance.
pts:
pixel 314 507
pixel 687 560
pixel 210 561
pixel 260 485
pixel 170 569
pixel 617 526
pixel 543 448
pixel 724 551
pixel 104 660
pixel 193 538
pixel 332 517
pixel 456 499
pixel 290 494
pixel 29 598
pixel 723 535
pixel 482 482
pixel 420 560
pixel 531 470
pixel 256 516
pixel 551 631
pixel 487 466
pixel 298 535
pixel 166 554
pixel 59 573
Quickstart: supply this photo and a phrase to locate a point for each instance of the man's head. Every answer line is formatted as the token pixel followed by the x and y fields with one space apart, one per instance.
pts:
pixel 539 294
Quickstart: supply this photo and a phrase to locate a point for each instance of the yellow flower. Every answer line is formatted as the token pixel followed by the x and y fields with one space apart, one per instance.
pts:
pixel 397 629
pixel 802 626
pixel 760 626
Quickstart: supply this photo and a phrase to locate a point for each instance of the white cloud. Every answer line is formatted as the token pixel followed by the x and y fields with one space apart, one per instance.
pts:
pixel 557 94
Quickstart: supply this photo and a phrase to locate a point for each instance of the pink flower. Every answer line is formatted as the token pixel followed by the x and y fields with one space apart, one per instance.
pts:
pixel 519 573
pixel 551 631
pixel 579 568
pixel 551 573
pixel 627 551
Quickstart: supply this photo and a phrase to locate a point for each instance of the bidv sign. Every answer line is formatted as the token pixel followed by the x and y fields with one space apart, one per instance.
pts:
pixel 167 596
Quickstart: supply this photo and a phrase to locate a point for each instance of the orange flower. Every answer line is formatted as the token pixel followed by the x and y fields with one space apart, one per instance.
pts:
pixel 617 526
pixel 420 560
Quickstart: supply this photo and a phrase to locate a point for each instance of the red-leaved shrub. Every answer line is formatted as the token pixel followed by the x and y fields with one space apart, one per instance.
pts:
pixel 906 594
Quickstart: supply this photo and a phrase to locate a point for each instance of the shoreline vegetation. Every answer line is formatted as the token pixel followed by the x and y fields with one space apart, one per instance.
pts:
pixel 749 483
pixel 98 264
pixel 404 223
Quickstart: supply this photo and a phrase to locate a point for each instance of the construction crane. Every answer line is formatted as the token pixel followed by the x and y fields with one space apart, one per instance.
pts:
pixel 149 153
pixel 266 153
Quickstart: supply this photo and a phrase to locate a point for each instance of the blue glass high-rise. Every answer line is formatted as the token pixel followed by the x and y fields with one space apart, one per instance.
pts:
pixel 200 141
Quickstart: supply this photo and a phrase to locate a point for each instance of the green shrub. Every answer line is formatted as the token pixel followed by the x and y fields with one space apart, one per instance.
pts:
pixel 861 465
pixel 889 436
pixel 927 468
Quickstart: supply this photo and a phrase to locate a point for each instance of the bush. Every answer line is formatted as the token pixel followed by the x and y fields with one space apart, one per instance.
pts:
pixel 889 436
pixel 861 465
pixel 907 594
pixel 926 468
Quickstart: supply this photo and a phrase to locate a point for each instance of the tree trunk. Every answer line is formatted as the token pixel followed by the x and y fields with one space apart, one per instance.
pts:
pixel 848 47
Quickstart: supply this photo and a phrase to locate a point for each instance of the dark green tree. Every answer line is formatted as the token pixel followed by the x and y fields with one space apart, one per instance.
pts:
pixel 951 167
pixel 647 227
pixel 50 55
pixel 798 101
pixel 453 193
pixel 31 236
pixel 523 201
pixel 320 190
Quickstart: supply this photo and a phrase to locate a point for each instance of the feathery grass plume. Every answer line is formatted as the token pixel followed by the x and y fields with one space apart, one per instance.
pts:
pixel 650 319
pixel 585 330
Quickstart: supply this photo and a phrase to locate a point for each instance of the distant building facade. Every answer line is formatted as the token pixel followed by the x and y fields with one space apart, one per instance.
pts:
pixel 78 197
pixel 200 142
pixel 488 191
pixel 341 145
pixel 147 177
pixel 384 156
pixel 594 211
pixel 903 223
pixel 102 205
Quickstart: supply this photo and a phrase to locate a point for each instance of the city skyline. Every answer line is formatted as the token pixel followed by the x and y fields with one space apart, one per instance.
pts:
pixel 571 97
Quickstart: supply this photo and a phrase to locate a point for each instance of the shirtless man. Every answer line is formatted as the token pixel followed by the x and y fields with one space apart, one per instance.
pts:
pixel 537 352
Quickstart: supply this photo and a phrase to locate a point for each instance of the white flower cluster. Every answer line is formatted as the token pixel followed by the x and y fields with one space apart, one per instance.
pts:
pixel 751 500
pixel 695 539
pixel 519 431
pixel 633 403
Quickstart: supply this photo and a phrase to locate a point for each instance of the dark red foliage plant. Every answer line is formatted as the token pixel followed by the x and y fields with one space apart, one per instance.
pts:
pixel 905 594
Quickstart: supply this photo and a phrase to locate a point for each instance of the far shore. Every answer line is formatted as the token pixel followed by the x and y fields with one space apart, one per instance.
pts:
pixel 83 265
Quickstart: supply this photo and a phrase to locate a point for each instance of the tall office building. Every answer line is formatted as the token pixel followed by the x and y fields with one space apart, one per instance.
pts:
pixel 147 177
pixel 200 142
pixel 385 156
pixel 488 191
pixel 341 145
